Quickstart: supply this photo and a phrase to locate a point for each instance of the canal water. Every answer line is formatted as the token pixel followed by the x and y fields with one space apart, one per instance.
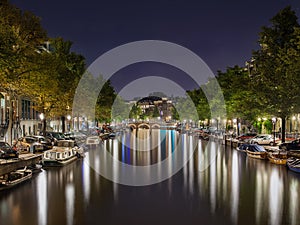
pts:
pixel 217 185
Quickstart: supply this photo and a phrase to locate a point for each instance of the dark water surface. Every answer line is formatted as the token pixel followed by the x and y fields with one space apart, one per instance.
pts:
pixel 216 186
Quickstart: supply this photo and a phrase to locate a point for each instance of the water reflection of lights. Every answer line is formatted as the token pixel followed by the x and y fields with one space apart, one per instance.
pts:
pixel 219 175
pixel 294 203
pixel 191 166
pixel 41 187
pixel 70 201
pixel 86 179
pixel 258 196
pixel 275 197
pixel 185 155
pixel 213 174
pixel 235 187
pixel 201 173
pixel 115 170
pixel 224 176
pixel 159 156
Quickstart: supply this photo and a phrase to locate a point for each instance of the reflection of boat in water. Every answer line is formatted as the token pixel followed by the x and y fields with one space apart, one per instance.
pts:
pixel 35 168
pixel 293 164
pixel 14 178
pixel 256 151
pixel 65 152
pixel 278 158
pixel 112 135
pixel 104 136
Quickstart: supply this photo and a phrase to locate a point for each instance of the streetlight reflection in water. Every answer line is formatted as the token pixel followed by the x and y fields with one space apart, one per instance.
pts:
pixel 218 185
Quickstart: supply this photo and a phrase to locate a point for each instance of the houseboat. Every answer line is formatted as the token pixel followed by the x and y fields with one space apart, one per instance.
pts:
pixel 64 153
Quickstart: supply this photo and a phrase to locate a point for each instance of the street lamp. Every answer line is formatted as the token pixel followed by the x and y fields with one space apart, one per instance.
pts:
pixel 69 125
pixel 274 127
pixel 42 117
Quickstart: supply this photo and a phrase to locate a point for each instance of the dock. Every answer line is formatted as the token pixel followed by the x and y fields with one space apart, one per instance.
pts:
pixel 9 165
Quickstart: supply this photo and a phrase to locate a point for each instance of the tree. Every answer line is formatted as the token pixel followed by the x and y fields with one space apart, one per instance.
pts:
pixel 105 101
pixel 135 112
pixel 276 77
pixel 20 35
pixel 240 98
pixel 120 109
pixel 200 101
pixel 69 68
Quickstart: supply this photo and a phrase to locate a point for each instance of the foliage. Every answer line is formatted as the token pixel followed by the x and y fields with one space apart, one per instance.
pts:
pixel 105 101
pixel 240 98
pixel 20 34
pixel 277 71
pixel 135 112
pixel 120 109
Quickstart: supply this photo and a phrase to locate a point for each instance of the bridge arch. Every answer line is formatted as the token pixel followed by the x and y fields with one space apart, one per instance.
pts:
pixel 155 126
pixel 132 125
pixel 144 125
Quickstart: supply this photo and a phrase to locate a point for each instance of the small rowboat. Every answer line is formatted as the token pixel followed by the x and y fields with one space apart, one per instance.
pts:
pixel 256 151
pixel 14 178
pixel 278 158
pixel 293 164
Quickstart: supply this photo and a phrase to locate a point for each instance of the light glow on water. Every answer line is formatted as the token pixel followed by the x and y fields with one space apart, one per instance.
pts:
pixel 42 200
pixel 70 203
pixel 235 187
pixel 275 198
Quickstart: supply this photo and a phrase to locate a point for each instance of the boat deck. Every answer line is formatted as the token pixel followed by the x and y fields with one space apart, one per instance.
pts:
pixel 7 166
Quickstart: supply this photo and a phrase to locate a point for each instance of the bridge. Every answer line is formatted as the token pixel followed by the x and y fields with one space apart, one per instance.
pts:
pixel 151 125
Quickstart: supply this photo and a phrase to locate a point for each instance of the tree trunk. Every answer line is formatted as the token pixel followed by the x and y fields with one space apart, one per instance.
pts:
pixel 44 126
pixel 283 129
pixel 63 124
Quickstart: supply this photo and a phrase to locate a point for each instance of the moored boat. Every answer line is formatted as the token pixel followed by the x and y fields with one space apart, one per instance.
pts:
pixel 14 178
pixel 64 153
pixel 256 151
pixel 278 158
pixel 243 147
pixel 293 164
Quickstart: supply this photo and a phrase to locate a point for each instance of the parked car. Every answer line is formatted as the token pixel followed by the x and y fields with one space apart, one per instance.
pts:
pixel 293 145
pixel 54 136
pixel 246 136
pixel 263 139
pixel 29 144
pixel 46 142
pixel 7 152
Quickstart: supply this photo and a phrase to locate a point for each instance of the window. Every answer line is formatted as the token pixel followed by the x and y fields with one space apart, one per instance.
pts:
pixel 25 109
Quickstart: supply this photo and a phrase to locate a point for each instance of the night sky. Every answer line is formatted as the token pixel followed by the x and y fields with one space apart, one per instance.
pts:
pixel 222 32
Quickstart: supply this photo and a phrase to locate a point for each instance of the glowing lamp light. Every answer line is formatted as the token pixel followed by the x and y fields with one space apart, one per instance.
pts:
pixel 42 116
